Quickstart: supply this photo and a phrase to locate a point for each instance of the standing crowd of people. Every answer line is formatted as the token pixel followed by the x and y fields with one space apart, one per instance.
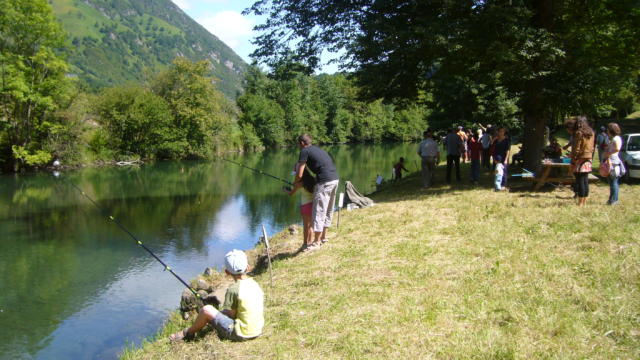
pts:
pixel 486 147
pixel 490 148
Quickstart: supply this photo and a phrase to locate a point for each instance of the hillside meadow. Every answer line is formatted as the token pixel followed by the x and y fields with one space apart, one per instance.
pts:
pixel 453 272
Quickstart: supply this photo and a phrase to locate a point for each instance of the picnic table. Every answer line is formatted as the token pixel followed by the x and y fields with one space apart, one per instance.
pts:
pixel 563 176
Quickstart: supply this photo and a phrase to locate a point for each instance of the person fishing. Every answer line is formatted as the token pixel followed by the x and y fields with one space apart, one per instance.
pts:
pixel 306 188
pixel 242 314
pixel 324 194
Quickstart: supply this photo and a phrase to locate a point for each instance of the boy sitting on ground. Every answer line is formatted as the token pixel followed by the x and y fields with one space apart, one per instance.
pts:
pixel 242 315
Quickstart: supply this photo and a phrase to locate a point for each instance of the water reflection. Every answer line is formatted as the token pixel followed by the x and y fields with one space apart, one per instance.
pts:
pixel 75 286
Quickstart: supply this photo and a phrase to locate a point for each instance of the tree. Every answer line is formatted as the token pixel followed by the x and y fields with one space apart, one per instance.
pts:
pixel 570 56
pixel 139 122
pixel 32 79
pixel 200 112
pixel 265 117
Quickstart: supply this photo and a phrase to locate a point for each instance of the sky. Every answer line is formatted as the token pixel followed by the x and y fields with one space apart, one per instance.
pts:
pixel 224 19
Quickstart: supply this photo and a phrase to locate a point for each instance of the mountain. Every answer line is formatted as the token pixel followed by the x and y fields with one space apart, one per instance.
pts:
pixel 120 41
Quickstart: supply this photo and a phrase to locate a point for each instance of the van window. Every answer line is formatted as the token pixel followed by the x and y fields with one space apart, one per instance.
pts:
pixel 633 144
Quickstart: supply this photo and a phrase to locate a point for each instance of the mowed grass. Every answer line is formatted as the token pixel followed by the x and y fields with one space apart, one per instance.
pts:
pixel 454 272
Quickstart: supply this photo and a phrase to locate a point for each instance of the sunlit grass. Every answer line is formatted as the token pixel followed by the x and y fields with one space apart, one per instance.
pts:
pixel 455 272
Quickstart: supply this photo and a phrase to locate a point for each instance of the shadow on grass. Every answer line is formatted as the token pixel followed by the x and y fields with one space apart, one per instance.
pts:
pixel 411 187
pixel 262 263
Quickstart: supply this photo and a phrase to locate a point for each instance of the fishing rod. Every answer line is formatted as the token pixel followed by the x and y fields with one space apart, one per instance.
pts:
pixel 259 171
pixel 123 228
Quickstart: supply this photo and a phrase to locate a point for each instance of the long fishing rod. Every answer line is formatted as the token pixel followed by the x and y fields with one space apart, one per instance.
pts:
pixel 123 228
pixel 259 171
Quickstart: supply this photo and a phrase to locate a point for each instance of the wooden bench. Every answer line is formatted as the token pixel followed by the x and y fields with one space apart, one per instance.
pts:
pixel 564 178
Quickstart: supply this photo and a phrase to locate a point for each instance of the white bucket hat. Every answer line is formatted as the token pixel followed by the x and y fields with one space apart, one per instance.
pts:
pixel 235 261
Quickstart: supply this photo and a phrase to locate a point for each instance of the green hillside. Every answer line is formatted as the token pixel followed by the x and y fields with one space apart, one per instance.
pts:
pixel 117 41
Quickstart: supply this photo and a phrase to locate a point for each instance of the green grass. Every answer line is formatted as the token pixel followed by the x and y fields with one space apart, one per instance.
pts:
pixel 455 272
pixel 631 124
pixel 634 116
pixel 67 11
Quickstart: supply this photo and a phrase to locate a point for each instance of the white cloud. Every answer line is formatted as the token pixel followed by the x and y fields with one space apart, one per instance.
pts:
pixel 182 4
pixel 230 26
pixel 189 4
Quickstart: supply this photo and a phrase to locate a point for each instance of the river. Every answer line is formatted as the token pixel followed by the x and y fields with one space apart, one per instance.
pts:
pixel 74 286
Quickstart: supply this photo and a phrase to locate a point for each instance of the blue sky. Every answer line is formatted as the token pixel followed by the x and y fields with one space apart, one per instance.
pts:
pixel 223 18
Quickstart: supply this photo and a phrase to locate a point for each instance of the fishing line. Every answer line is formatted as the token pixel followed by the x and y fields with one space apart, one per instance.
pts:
pixel 259 171
pixel 123 228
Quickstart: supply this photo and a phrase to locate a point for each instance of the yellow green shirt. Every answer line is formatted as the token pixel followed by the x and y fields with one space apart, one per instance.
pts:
pixel 305 196
pixel 246 297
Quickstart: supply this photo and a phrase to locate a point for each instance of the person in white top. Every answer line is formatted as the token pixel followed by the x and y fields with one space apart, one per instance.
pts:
pixel 428 151
pixel 499 173
pixel 485 140
pixel 612 155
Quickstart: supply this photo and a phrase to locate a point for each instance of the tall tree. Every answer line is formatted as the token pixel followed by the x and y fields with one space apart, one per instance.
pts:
pixel 139 122
pixel 32 78
pixel 572 55
pixel 200 112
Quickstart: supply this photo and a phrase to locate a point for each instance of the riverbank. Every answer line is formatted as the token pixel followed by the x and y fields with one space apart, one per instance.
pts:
pixel 451 272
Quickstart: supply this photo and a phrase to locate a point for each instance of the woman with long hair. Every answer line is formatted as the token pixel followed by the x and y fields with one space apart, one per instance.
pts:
pixel 581 157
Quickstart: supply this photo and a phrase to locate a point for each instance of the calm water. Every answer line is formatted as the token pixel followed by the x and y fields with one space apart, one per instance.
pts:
pixel 74 286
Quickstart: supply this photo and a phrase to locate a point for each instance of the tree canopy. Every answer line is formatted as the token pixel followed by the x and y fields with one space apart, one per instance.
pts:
pixel 32 81
pixel 550 56
pixel 276 108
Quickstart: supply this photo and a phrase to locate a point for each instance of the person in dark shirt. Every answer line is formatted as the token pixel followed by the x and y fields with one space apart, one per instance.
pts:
pixel 324 194
pixel 502 147
pixel 453 144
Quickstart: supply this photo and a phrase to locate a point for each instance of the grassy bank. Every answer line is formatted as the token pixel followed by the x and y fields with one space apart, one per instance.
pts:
pixel 453 272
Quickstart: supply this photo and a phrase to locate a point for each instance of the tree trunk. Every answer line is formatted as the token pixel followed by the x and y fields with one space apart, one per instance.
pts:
pixel 533 106
pixel 532 144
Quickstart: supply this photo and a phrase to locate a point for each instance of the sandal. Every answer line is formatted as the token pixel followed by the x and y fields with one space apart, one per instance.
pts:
pixel 180 336
pixel 310 248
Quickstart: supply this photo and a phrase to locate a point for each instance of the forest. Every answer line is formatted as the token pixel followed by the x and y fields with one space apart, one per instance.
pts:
pixel 388 91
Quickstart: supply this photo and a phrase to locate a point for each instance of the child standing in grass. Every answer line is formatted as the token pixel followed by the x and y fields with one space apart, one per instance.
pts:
pixel 242 316
pixel 305 187
pixel 397 169
pixel 499 173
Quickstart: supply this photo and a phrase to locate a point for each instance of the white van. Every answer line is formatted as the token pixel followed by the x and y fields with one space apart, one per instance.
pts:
pixel 630 154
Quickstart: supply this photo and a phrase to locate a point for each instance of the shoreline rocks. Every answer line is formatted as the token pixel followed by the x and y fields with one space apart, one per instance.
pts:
pixel 209 287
